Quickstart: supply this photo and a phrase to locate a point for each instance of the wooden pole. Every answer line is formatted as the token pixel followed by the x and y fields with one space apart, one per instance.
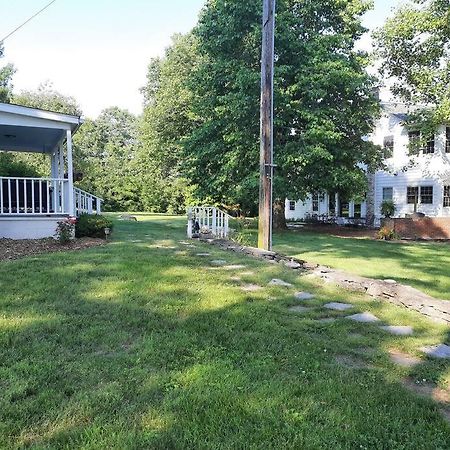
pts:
pixel 266 151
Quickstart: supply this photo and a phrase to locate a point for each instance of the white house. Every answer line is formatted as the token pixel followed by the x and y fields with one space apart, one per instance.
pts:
pixel 418 182
pixel 31 207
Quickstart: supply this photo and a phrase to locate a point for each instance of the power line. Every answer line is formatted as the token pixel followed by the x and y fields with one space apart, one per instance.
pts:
pixel 28 20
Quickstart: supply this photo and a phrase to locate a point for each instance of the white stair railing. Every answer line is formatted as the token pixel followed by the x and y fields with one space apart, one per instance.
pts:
pixel 208 220
pixel 86 203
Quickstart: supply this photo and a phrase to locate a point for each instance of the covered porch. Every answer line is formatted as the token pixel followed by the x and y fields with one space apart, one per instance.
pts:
pixel 31 207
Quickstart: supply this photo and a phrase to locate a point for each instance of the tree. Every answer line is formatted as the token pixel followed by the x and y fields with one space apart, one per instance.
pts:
pixel 167 120
pixel 6 75
pixel 324 102
pixel 414 47
pixel 104 151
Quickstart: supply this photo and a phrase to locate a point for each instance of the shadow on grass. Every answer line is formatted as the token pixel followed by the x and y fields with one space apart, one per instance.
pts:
pixel 125 348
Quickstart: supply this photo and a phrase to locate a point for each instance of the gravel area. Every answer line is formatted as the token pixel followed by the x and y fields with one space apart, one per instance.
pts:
pixel 15 249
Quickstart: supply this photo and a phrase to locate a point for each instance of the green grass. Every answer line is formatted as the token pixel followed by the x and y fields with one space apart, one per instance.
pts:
pixel 139 345
pixel 425 266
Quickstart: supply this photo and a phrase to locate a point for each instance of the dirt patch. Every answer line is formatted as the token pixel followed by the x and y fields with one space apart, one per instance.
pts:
pixel 426 389
pixel 15 249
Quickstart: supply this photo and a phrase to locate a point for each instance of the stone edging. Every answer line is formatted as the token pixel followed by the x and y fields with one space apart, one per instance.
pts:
pixel 390 290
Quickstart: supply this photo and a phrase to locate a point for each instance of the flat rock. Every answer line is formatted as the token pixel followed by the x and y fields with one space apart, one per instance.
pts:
pixel 251 287
pixel 278 282
pixel 327 320
pixel 398 330
pixel 218 262
pixel 338 306
pixel 299 309
pixel 403 359
pixel 234 267
pixel 389 281
pixel 203 254
pixel 235 278
pixel 304 296
pixel 365 317
pixel 437 351
pixel 293 264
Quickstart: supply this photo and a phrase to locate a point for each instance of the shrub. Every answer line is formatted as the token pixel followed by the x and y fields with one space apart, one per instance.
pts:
pixel 387 208
pixel 92 225
pixel 65 230
pixel 387 234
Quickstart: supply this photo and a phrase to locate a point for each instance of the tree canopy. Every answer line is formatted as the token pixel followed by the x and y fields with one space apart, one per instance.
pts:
pixel 324 101
pixel 414 45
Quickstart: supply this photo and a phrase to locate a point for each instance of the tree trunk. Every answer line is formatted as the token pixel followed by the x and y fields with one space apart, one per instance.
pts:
pixel 279 218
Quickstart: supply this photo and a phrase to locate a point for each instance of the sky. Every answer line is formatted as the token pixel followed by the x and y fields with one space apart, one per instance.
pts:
pixel 98 50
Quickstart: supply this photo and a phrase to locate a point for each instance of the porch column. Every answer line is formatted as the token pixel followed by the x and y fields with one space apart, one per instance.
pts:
pixel 71 204
pixel 55 184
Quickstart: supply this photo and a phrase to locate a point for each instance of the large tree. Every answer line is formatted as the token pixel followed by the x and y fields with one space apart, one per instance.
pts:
pixel 324 102
pixel 105 150
pixel 167 121
pixel 6 75
pixel 414 45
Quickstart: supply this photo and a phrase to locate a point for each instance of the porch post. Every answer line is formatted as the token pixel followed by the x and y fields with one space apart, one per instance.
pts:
pixel 70 174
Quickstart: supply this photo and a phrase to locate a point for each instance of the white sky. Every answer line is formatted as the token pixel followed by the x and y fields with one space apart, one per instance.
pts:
pixel 98 50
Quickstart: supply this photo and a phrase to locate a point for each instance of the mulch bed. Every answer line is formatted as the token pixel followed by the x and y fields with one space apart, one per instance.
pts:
pixel 15 249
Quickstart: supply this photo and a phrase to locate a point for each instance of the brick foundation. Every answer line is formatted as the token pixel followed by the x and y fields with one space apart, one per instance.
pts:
pixel 421 227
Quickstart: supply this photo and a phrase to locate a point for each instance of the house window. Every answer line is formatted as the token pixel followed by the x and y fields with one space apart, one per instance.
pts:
pixel 388 194
pixel 415 142
pixel 344 208
pixel 332 204
pixel 429 147
pixel 357 211
pixel 447 196
pixel 447 140
pixel 315 202
pixel 412 195
pixel 388 144
pixel 426 195
pixel 291 205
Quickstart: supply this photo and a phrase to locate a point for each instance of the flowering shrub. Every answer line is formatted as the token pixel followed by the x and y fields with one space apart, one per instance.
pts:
pixel 387 234
pixel 65 230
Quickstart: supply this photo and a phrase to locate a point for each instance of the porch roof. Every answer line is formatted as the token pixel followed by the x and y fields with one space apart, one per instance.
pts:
pixel 24 129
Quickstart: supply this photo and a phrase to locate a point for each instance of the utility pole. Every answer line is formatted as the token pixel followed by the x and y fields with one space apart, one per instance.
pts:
pixel 266 151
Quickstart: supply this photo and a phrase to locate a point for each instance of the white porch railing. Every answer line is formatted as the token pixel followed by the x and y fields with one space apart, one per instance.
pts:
pixel 20 196
pixel 87 203
pixel 208 220
pixel 33 196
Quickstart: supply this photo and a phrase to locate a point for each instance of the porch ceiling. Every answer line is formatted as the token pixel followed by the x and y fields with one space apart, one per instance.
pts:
pixel 24 129
pixel 29 139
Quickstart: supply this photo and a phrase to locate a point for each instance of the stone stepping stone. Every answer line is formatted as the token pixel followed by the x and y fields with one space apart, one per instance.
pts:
pixel 389 281
pixel 398 330
pixel 278 282
pixel 203 254
pixel 326 320
pixel 137 241
pixel 249 273
pixel 299 309
pixel 218 262
pixel 251 287
pixel 365 317
pixel 403 359
pixel 338 306
pixel 437 351
pixel 303 296
pixel 234 267
pixel 293 265
pixel 235 278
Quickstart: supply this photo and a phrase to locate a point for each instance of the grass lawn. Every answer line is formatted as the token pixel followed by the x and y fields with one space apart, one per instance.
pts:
pixel 144 344
pixel 425 266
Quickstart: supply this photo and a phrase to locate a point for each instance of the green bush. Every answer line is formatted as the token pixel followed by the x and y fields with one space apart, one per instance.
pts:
pixel 387 208
pixel 92 225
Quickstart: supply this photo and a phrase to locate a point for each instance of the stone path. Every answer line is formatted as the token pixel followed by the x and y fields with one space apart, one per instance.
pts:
pixel 203 254
pixel 437 351
pixel 304 296
pixel 338 306
pixel 403 359
pixel 365 317
pixel 398 330
pixel 278 282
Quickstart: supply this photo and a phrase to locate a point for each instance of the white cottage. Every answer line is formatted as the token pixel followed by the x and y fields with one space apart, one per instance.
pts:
pixel 31 207
pixel 418 183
